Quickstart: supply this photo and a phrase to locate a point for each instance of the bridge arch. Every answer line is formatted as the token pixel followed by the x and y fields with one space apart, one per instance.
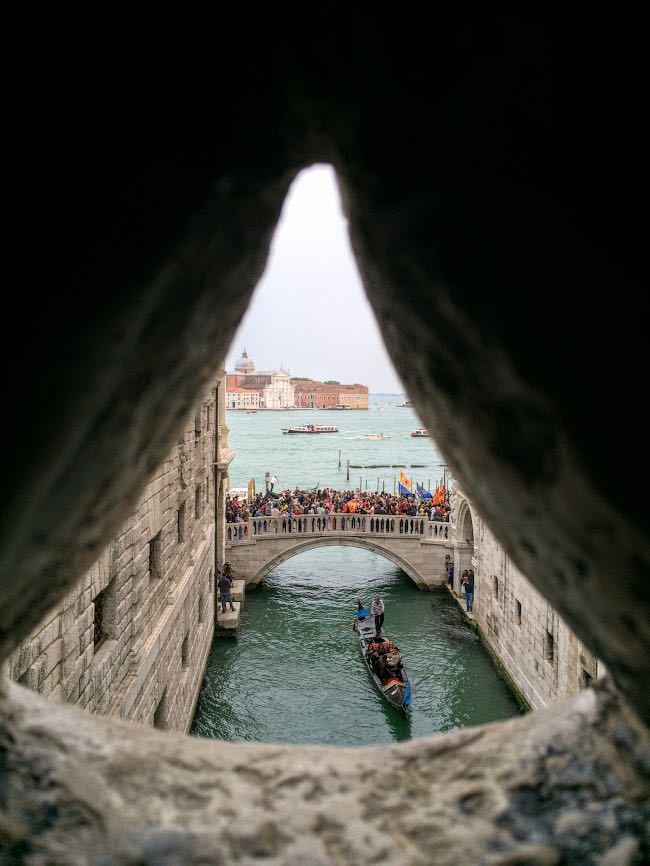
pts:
pixel 319 541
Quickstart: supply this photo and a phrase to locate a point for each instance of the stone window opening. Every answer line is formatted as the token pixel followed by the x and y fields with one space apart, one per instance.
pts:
pixel 197 502
pixel 160 713
pixel 104 615
pixel 585 679
pixel 549 647
pixel 207 489
pixel 155 556
pixel 495 587
pixel 180 523
pixel 197 427
pixel 208 417
pixel 201 606
pixel 517 611
pixel 185 652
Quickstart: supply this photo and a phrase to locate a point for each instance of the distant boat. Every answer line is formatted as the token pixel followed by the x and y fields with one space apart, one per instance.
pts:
pixel 251 411
pixel 375 436
pixel 406 405
pixel 311 428
pixel 420 433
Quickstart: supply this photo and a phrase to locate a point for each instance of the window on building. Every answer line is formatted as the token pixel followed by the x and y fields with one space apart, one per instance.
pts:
pixel 197 502
pixel 207 489
pixel 160 713
pixel 185 652
pixel 208 417
pixel 201 606
pixel 495 587
pixel 549 647
pixel 197 427
pixel 155 556
pixel 517 611
pixel 585 679
pixel 104 615
pixel 180 523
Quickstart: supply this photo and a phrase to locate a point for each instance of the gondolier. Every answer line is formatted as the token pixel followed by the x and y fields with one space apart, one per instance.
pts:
pixel 378 613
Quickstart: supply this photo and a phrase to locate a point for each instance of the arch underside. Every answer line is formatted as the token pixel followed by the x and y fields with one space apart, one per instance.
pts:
pixel 311 544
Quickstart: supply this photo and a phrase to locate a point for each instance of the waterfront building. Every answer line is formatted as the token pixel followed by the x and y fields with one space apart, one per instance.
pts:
pixel 274 388
pixel 243 398
pixel 311 394
pixel 131 639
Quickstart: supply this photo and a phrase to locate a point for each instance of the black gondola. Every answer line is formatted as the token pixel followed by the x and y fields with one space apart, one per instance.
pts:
pixel 397 689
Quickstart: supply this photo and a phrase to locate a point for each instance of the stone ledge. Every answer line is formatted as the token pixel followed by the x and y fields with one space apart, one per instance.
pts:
pixel 230 619
pixel 536 789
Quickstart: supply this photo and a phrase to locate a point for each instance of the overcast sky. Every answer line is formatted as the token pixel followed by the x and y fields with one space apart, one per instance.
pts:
pixel 309 311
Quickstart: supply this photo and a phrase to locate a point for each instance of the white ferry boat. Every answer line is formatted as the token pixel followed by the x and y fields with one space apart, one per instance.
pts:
pixel 420 433
pixel 311 428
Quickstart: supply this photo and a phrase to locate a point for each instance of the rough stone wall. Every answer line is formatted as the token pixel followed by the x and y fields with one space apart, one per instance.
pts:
pixel 116 644
pixel 542 656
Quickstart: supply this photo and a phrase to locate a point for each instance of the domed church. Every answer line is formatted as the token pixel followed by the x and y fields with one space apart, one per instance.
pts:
pixel 244 364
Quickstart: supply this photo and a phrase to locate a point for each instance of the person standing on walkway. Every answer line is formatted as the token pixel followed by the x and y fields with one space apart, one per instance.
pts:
pixel 225 586
pixel 469 591
pixel 378 613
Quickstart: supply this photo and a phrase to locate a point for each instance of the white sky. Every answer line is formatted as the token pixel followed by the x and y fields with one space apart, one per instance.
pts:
pixel 309 311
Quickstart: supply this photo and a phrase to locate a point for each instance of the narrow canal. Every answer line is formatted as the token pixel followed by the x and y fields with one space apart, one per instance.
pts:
pixel 295 674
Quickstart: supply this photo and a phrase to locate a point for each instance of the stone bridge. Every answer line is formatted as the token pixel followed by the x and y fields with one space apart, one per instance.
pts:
pixel 417 545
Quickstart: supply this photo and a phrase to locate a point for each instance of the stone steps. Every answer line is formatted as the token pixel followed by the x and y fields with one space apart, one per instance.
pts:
pixel 229 621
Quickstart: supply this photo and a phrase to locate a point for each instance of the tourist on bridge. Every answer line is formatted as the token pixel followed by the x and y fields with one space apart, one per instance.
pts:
pixel 378 613
pixel 225 587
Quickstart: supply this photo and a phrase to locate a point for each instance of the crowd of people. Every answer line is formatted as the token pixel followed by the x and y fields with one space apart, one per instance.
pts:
pixel 328 501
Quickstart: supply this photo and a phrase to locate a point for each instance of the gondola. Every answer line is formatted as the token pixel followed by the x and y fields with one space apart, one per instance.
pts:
pixel 398 690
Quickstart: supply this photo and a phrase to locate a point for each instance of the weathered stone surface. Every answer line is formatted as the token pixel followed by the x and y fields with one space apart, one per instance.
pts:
pixel 565 785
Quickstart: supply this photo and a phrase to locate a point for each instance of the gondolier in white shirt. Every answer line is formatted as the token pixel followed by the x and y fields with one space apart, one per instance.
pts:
pixel 378 613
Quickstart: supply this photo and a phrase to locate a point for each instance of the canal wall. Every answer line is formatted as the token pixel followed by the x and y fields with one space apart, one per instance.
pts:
pixel 540 655
pixel 131 639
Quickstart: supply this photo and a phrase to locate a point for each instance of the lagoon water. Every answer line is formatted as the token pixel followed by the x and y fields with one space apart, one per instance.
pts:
pixel 295 673
pixel 308 461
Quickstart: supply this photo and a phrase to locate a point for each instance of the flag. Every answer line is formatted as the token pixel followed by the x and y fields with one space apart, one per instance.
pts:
pixel 405 482
pixel 403 491
pixel 422 493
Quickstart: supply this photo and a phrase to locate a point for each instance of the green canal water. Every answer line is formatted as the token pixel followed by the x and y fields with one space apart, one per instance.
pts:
pixel 295 674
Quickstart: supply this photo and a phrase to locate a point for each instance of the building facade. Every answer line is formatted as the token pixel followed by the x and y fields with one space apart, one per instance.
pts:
pixel 538 651
pixel 274 388
pixel 131 640
pixel 311 394
pixel 242 398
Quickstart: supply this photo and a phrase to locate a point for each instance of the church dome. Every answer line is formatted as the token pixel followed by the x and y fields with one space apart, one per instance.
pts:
pixel 244 364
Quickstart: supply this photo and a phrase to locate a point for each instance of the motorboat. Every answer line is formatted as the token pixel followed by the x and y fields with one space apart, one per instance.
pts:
pixel 420 433
pixel 311 428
